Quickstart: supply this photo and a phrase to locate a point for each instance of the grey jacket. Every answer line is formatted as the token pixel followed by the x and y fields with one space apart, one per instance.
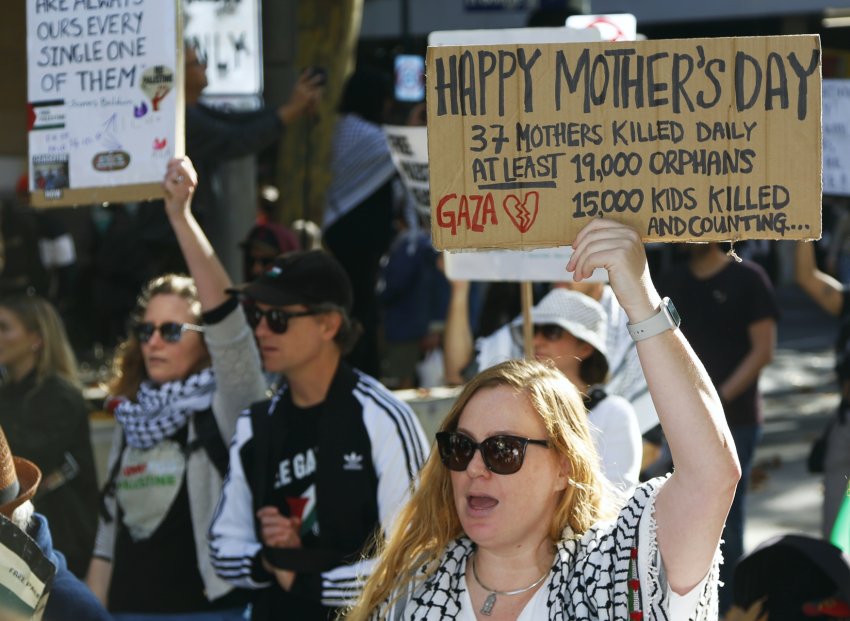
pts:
pixel 239 382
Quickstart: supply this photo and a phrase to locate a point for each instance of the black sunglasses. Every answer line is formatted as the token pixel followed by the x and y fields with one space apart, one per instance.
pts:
pixel 170 331
pixel 276 318
pixel 502 454
pixel 549 331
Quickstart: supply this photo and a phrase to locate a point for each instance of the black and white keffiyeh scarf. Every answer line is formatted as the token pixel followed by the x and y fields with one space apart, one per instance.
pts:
pixel 360 164
pixel 589 581
pixel 161 411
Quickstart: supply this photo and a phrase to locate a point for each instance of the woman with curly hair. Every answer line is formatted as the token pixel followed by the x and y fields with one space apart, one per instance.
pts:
pixel 188 369
pixel 512 519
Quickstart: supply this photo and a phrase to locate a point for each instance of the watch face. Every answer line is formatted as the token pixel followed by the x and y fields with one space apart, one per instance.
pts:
pixel 674 314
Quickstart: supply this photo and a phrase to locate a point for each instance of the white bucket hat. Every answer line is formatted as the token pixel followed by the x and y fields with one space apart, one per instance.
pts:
pixel 577 313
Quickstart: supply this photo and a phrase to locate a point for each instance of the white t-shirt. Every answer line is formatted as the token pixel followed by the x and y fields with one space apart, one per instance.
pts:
pixel 615 432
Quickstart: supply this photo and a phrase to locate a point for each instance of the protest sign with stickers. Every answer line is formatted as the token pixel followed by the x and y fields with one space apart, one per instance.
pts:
pixel 105 93
pixel 699 139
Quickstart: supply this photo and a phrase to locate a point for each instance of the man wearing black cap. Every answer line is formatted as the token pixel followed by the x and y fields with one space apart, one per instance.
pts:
pixel 323 464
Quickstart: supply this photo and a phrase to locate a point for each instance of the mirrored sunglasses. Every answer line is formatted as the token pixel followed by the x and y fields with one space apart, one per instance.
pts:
pixel 502 454
pixel 170 331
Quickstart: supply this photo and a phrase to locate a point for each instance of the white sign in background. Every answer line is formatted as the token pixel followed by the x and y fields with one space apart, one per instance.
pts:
pixel 613 27
pixel 409 150
pixel 836 137
pixel 101 92
pixel 227 36
pixel 539 265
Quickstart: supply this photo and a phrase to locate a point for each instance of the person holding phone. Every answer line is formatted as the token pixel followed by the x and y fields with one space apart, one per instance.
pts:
pixel 217 136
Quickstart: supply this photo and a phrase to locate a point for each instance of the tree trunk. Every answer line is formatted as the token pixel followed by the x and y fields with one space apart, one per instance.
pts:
pixel 327 32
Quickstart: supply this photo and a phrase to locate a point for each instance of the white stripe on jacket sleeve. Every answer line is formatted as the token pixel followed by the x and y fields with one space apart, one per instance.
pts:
pixel 232 540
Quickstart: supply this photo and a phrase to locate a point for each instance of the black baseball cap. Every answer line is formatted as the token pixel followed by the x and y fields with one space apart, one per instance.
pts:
pixel 308 277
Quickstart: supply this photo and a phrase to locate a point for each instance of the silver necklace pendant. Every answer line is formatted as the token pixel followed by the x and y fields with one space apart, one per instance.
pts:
pixel 490 602
pixel 487 608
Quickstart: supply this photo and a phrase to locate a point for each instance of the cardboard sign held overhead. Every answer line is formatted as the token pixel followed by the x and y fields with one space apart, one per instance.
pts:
pixel 685 140
pixel 105 93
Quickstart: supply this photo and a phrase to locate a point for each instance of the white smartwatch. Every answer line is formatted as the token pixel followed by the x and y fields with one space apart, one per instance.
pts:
pixel 667 318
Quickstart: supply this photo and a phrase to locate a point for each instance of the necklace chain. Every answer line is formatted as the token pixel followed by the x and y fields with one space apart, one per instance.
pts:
pixel 490 602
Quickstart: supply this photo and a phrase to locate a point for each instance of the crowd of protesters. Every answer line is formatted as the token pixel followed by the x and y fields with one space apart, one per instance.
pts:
pixel 262 468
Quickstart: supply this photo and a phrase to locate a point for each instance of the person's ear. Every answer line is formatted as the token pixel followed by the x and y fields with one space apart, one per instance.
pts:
pixel 562 480
pixel 331 324
pixel 585 350
pixel 36 342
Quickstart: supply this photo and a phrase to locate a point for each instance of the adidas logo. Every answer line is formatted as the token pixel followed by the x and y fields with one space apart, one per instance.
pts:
pixel 352 461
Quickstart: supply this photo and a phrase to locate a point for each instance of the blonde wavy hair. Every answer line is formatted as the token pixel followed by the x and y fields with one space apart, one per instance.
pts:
pixel 54 356
pixel 429 521
pixel 128 367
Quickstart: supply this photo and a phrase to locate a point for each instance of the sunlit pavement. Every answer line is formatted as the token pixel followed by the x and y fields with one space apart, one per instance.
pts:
pixel 800 394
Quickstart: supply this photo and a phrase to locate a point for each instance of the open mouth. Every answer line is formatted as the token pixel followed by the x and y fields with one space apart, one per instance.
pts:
pixel 481 503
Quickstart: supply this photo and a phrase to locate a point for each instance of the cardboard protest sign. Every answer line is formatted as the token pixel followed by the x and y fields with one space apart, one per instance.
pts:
pixel 700 139
pixel 836 137
pixel 409 150
pixel 105 93
pixel 26 575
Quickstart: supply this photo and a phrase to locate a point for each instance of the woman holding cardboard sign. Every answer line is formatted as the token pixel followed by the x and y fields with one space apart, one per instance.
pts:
pixel 511 519
pixel 189 367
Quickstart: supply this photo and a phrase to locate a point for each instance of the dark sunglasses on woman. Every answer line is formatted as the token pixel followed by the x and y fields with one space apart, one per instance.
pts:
pixel 276 319
pixel 549 331
pixel 170 331
pixel 502 454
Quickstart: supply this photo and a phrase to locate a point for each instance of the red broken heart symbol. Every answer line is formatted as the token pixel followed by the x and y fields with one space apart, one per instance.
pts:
pixel 522 213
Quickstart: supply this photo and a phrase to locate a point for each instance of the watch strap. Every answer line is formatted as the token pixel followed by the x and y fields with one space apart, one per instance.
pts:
pixel 660 322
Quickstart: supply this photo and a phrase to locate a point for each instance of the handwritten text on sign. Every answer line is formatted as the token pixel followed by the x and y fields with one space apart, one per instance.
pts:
pixel 102 92
pixel 700 139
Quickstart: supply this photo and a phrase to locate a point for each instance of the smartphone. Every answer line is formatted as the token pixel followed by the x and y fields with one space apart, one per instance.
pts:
pixel 320 71
pixel 409 77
